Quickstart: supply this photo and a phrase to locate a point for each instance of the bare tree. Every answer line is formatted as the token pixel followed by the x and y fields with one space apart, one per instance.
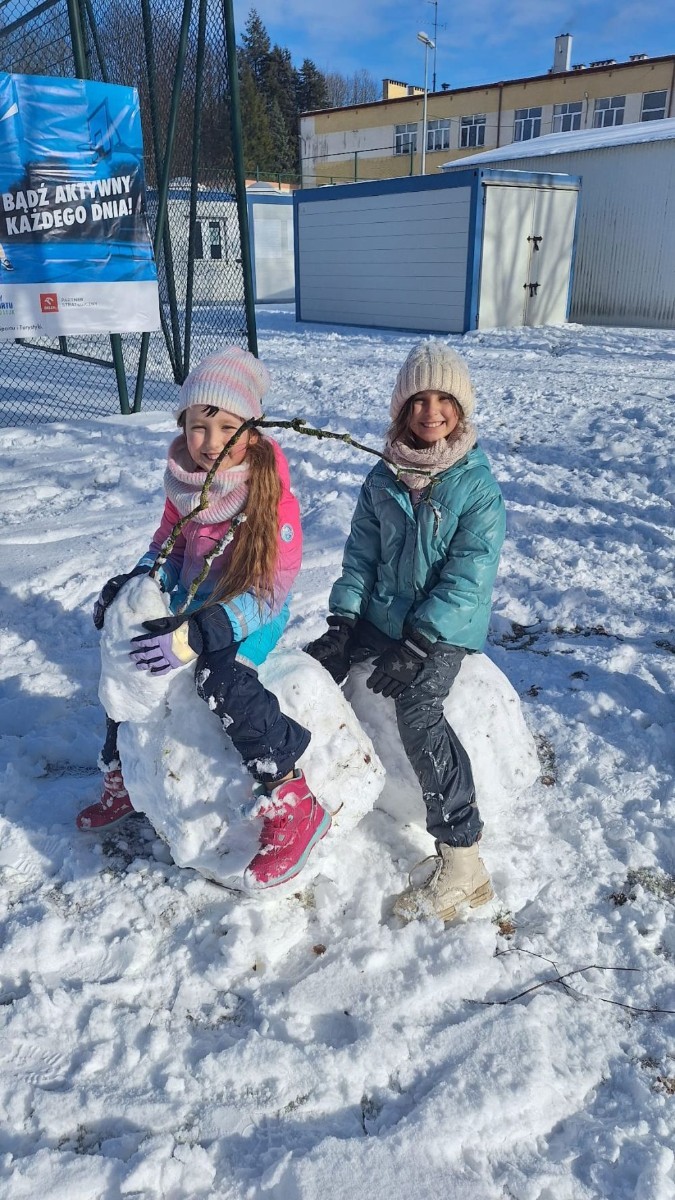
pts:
pixel 359 88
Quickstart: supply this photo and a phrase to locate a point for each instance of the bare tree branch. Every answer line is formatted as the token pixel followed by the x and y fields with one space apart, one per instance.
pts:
pixel 297 424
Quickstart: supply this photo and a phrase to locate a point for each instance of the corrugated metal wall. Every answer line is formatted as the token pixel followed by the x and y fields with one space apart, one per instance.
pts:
pixel 625 257
pixel 398 259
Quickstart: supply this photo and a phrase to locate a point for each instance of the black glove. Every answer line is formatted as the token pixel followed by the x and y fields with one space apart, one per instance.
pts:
pixel 332 648
pixel 109 591
pixel 399 666
pixel 209 629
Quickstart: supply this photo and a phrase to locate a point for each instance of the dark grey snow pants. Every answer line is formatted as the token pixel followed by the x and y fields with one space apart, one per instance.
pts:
pixel 436 754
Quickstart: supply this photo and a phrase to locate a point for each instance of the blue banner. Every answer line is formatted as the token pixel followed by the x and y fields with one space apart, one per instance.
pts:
pixel 75 249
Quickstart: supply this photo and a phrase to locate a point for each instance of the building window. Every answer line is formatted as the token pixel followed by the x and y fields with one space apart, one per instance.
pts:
pixel 653 106
pixel 609 111
pixel 566 117
pixel 214 244
pixel 438 135
pixel 472 131
pixel 528 124
pixel 405 139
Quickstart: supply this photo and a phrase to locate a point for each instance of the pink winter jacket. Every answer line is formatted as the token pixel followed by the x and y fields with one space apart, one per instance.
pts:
pixel 247 615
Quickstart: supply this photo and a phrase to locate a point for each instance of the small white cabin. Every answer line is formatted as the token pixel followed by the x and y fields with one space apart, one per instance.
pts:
pixel 217 244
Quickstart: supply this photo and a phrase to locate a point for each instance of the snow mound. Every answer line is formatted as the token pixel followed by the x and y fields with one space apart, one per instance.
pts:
pixel 484 711
pixel 126 693
pixel 182 770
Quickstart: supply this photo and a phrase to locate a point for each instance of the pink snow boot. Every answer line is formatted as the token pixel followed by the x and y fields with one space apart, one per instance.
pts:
pixel 111 808
pixel 293 822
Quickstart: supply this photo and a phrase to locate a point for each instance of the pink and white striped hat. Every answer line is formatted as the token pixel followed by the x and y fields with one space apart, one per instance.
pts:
pixel 233 379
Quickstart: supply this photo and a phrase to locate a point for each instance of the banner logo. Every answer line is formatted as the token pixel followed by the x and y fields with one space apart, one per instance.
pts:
pixel 49 302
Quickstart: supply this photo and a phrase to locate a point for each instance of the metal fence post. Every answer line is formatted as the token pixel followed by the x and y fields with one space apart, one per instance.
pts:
pixel 239 175
pixel 172 346
pixel 82 69
pixel 164 186
pixel 194 183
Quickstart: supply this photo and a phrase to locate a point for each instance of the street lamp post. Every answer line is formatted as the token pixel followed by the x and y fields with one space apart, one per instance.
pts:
pixel 428 45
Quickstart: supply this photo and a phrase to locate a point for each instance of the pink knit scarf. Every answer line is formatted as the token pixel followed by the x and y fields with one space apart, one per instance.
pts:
pixel 435 458
pixel 228 492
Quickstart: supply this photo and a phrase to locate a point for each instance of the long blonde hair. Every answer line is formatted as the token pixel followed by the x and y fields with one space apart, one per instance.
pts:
pixel 255 549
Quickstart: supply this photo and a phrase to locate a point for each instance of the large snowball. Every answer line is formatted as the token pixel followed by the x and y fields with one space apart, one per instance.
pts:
pixel 126 693
pixel 182 770
pixel 485 713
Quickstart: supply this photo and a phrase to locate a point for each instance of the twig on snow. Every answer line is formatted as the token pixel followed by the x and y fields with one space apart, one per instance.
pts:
pixel 561 981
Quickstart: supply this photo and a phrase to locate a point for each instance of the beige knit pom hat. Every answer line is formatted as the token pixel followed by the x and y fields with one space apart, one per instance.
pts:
pixel 233 379
pixel 432 366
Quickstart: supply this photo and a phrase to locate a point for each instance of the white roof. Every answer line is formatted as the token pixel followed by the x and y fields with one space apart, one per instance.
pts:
pixel 565 143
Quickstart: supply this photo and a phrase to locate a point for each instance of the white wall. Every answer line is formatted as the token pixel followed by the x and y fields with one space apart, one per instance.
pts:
pixel 398 259
pixel 273 251
pixel 624 271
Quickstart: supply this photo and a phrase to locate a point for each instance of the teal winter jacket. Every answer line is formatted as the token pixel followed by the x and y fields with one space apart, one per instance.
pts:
pixel 432 568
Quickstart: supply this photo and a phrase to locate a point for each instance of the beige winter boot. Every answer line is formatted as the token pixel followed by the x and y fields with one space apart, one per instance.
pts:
pixel 459 878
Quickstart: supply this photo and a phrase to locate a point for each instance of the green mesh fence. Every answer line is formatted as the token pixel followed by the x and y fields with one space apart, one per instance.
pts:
pixel 201 277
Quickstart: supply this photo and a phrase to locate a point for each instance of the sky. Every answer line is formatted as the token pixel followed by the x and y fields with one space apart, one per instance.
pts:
pixel 479 41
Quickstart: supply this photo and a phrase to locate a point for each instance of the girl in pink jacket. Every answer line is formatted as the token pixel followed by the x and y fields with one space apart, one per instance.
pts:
pixel 239 610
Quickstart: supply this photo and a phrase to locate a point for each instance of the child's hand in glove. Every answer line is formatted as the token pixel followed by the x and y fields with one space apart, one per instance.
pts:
pixel 173 641
pixel 397 668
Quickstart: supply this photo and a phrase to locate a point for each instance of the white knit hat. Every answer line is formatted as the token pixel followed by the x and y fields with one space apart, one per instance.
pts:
pixel 432 366
pixel 233 379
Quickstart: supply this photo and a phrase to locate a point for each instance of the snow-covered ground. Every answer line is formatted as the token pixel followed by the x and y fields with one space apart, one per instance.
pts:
pixel 165 1039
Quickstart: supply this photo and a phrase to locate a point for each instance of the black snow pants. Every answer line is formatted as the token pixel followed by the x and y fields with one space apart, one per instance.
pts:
pixel 436 754
pixel 269 742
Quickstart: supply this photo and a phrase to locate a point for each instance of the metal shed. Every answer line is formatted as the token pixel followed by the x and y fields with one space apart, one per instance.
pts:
pixel 473 249
pixel 625 258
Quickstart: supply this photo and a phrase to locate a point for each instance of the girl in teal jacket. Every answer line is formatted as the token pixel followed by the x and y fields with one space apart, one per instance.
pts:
pixel 414 597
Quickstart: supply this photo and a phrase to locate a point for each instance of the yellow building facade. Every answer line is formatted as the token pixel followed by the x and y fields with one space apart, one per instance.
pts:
pixel 383 139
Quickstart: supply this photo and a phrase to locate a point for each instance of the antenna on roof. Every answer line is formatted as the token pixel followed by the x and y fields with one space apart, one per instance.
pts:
pixel 436 28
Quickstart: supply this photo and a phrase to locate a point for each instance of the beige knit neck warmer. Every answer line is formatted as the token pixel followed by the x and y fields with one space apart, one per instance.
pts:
pixel 435 458
pixel 228 492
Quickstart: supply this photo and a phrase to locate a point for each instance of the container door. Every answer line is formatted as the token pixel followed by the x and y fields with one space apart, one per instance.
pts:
pixel 509 213
pixel 551 239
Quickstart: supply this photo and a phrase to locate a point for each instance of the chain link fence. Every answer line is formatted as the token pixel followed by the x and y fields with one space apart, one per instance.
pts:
pixel 178 56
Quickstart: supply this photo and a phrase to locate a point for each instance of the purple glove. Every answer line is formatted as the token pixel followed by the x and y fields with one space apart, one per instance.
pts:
pixel 173 641
pixel 164 648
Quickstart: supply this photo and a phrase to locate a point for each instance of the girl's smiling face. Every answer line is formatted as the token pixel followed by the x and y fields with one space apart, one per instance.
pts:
pixel 207 436
pixel 433 415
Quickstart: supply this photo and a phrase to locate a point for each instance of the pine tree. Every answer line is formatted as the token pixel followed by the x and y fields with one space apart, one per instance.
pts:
pixel 285 155
pixel 282 85
pixel 311 87
pixel 255 126
pixel 255 49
